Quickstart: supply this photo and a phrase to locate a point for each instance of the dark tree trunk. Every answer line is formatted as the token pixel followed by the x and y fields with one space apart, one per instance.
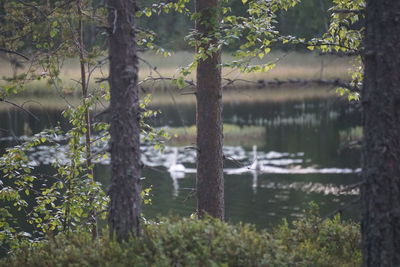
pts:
pixel 381 147
pixel 124 213
pixel 210 180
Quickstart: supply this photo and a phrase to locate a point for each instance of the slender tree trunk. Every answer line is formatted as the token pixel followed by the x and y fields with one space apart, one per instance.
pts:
pixel 85 95
pixel 84 86
pixel 125 205
pixel 381 147
pixel 210 181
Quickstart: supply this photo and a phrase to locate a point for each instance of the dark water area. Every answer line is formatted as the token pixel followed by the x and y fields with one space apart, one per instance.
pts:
pixel 302 153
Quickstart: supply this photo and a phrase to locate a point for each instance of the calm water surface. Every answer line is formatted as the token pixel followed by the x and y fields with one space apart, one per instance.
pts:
pixel 301 153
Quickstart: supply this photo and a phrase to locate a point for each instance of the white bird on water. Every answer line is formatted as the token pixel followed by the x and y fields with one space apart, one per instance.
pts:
pixel 175 167
pixel 256 165
pixel 177 171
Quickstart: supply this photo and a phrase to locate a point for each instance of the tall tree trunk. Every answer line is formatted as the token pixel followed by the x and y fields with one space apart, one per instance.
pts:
pixel 210 181
pixel 125 205
pixel 381 147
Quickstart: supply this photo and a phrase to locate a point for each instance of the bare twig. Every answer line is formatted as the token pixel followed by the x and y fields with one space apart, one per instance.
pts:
pixel 192 193
pixel 236 162
pixel 153 68
pixel 101 113
pixel 348 11
pixel 192 148
pixel 188 93
pixel 191 83
pixel 34 7
pixel 277 82
pixel 13 52
pixel 342 54
pixel 100 80
pixel 350 145
pixel 339 210
pixel 20 107
pixel 155 169
pixel 352 186
pixel 115 21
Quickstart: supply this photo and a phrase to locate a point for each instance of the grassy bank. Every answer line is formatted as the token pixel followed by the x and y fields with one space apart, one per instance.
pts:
pixel 192 242
pixel 288 66
pixel 173 96
pixel 233 135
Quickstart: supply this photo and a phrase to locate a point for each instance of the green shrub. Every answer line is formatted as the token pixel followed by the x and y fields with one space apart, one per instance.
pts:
pixel 191 242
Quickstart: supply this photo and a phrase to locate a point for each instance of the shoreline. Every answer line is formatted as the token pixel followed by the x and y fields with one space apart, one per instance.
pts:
pixel 173 96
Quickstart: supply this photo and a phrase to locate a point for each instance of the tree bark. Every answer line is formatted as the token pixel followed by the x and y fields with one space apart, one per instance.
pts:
pixel 125 189
pixel 381 145
pixel 210 181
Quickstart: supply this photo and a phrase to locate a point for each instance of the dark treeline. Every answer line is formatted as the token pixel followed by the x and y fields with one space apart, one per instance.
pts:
pixel 308 19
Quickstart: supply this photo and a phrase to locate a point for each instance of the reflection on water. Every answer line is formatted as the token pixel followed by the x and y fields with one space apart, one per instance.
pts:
pixel 300 160
pixel 309 187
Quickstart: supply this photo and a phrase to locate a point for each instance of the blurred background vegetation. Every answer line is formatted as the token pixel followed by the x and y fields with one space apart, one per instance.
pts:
pixel 308 19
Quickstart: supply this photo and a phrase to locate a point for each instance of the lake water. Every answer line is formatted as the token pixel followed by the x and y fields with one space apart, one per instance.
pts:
pixel 300 149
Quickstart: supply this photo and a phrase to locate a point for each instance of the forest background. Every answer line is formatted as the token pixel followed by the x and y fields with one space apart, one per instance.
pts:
pixel 304 22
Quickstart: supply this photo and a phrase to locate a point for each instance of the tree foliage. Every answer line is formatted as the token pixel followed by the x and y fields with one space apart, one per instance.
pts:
pixel 344 37
pixel 68 198
pixel 48 33
pixel 209 242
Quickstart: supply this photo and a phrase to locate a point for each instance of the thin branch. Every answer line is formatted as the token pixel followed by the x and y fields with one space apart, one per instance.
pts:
pixel 230 81
pixel 34 7
pixel 348 11
pixel 192 148
pixel 166 79
pixel 100 80
pixel 342 54
pixel 155 169
pixel 235 161
pixel 339 210
pixel 115 21
pixel 277 82
pixel 188 93
pixel 352 186
pixel 101 113
pixel 350 145
pixel 13 52
pixel 20 107
pixel 153 68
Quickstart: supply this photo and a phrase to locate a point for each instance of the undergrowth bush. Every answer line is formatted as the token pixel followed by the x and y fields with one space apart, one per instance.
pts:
pixel 209 242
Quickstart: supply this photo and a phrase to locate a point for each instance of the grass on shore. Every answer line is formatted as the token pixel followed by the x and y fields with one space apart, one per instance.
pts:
pixel 233 135
pixel 160 99
pixel 292 65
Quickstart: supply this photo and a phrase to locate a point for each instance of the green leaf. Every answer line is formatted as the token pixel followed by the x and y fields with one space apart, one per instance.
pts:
pixel 147 12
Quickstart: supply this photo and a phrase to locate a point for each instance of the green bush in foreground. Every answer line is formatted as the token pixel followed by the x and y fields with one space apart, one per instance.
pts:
pixel 191 242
